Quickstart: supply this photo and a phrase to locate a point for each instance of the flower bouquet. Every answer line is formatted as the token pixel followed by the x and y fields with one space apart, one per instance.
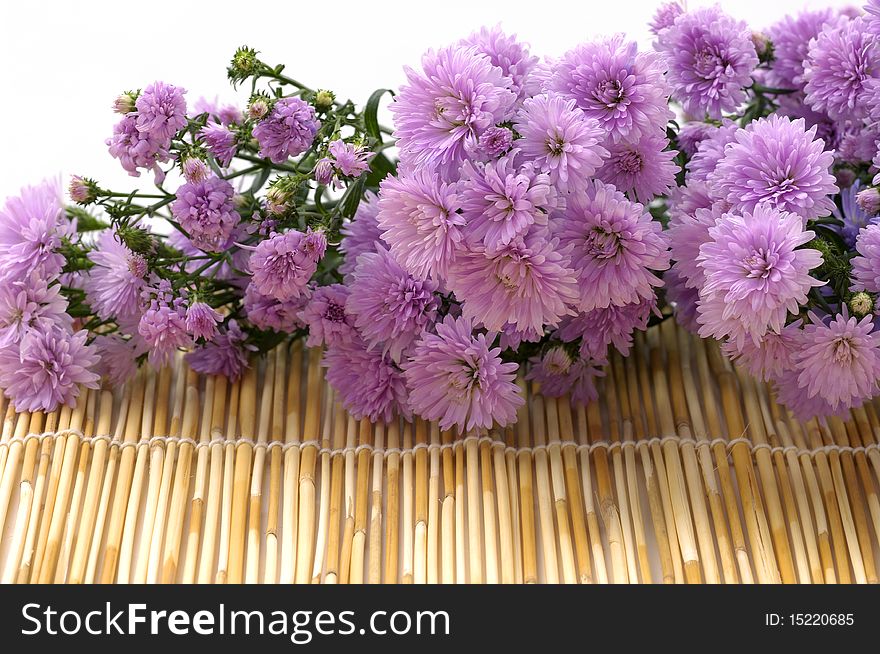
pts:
pixel 522 216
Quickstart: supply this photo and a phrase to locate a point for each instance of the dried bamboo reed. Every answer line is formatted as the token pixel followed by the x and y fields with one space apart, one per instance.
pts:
pixel 420 533
pixel 433 535
pixel 546 518
pixel 513 495
pixel 722 465
pixel 337 474
pixel 573 493
pixel 560 495
pixel 447 529
pixel 306 529
pixel 407 525
pixel 593 534
pixel 51 451
pixel 327 427
pixel 292 438
pixel 474 512
pixel 228 485
pixel 859 432
pixel 490 528
pixel 255 496
pixel 241 476
pixel 374 568
pixel 206 570
pixel 350 484
pixel 505 527
pixel 276 438
pixel 32 524
pixel 392 520
pixel 362 490
pixel 630 547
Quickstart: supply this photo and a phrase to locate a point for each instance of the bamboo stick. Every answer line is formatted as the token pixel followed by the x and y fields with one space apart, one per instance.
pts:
pixel 374 568
pixel 860 437
pixel 490 530
pixel 598 551
pixel 337 477
pixel 52 450
pixel 276 437
pixel 306 534
pixel 448 510
pixel 392 520
pixel 407 524
pixel 228 485
pixel 545 498
pixel 526 490
pixel 573 492
pixel 433 535
pixel 292 438
pixel 461 561
pixel 241 484
pixel 513 495
pixel 324 502
pixel 359 539
pixel 350 489
pixel 560 496
pixel 420 533
pixel 505 527
pixel 255 497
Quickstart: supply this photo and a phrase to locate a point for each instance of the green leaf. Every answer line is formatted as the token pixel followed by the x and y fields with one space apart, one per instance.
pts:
pixel 261 179
pixel 352 198
pixel 371 113
pixel 380 167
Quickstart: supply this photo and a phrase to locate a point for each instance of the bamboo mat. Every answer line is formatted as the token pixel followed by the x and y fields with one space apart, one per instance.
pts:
pixel 684 471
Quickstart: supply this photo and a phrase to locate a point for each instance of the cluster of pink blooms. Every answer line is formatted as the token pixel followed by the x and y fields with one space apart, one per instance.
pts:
pixel 541 212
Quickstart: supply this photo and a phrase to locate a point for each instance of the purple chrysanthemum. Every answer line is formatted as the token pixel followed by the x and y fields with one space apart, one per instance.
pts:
pixel 687 234
pixel 665 16
pixel 117 357
pixel 682 298
pixel 161 111
pixel 868 201
pixel 163 327
pixel 360 234
pixel 225 355
pixel 47 369
pixel 852 215
pixel 113 285
pixel 611 81
pixel 457 378
pixel 866 264
pixel 710 151
pixel 772 357
pixel 326 317
pixel 287 131
pixel 614 247
pixel 839 360
pixel 220 141
pixel 559 373
pixel 711 57
pixel 692 133
pixel 226 114
pixel 775 161
pixel 443 109
pixel 368 382
pixel 872 17
pixel 494 142
pixel 195 170
pixel 791 38
pixel 505 52
pixel 842 63
pixel 32 226
pixel 804 407
pixel 528 283
pixel 206 212
pixel 560 139
pixel 283 264
pixel 419 220
pixel 605 326
pixel 350 159
pixel 135 149
pixel 391 308
pixel 857 142
pixel 30 304
pixel 202 320
pixel 268 313
pixel 501 200
pixel 642 169
pixel 756 273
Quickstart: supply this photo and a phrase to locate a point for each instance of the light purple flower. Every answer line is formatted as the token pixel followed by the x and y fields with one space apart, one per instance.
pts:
pixel 163 327
pixel 419 219
pixel 775 161
pixel 612 325
pixel 711 57
pixel 527 283
pixel 324 171
pixel 30 304
pixel 769 359
pixel 368 382
pixel 283 264
pixel 505 52
pixel 80 191
pixel 868 201
pixel 791 38
pixel 611 81
pixel 872 18
pixel 501 200
pixel 682 298
pixel 326 317
pixel 117 357
pixel 350 159
pixel 136 149
pixel 665 16
pixel 687 234
pixel 161 111
pixel 113 285
pixel 710 151
pixel 641 169
pixel 614 246
pixel 268 313
pixel 692 133
pixel 866 264
pixel 226 354
pixel 32 225
pixel 391 308
pixel 47 369
pixel 494 142
pixel 226 114
pixel 220 141
pixel 195 170
pixel 756 273
pixel 287 131
pixel 206 212
pixel 361 233
pixel 560 139
pixel 852 215
pixel 839 69
pixel 457 378
pixel 442 110
pixel 559 373
pixel 839 360
pixel 202 320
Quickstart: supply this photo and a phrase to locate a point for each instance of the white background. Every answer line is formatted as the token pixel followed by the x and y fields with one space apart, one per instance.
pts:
pixel 63 62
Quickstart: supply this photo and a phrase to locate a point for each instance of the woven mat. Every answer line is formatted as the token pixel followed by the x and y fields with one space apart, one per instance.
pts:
pixel 684 471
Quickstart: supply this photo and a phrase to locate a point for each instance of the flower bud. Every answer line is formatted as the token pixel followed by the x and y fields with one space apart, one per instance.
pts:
pixel 861 304
pixel 324 171
pixel 138 240
pixel 82 190
pixel 324 100
pixel 869 200
pixel 124 103
pixel 195 170
pixel 244 64
pixel 258 108
pixel 763 46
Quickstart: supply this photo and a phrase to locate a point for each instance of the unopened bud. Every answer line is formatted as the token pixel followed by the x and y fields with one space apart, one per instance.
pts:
pixel 869 200
pixel 324 100
pixel 861 304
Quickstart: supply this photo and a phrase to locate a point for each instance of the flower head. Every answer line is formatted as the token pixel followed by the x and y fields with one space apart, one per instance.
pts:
pixel 326 317
pixel 868 200
pixel 206 211
pixel 688 231
pixel 791 38
pixel 776 162
pixel 605 326
pixel 770 358
pixel 361 233
pixel 287 131
pixel 642 169
pixel 117 357
pixel 506 53
pixel 391 308
pixel 442 110
pixel 711 57
pixel 47 369
pixel 494 142
pixel 266 312
pixel 692 133
pixel 665 16
pixel 611 81
pixel 756 273
pixel 455 377
pixel 195 170
pixel 225 355
pixel 163 328
pixel 350 159
pixel 559 373
pixel 161 111
pixel 136 149
pixel 560 139
pixel 527 283
pixel 32 225
pixel 852 215
pixel 419 220
pixel 114 284
pixel 710 151
pixel 866 264
pixel 30 304
pixel 202 320
pixel 614 247
pixel 368 382
pixel 283 264
pixel 220 141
